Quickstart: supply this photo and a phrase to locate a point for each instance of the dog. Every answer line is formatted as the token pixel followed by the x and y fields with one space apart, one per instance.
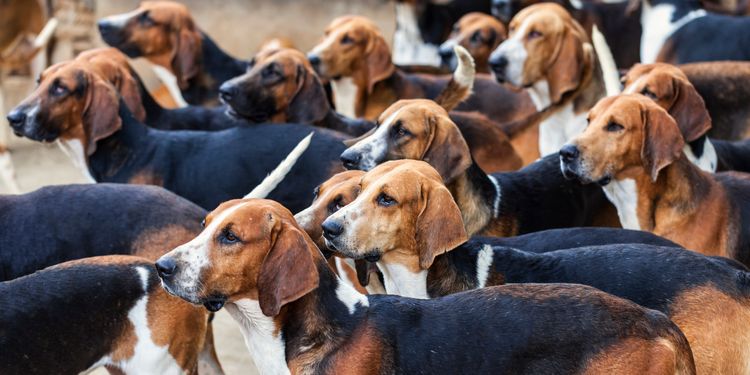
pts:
pixel 480 34
pixel 549 55
pixel 356 58
pixel 633 148
pixel 102 311
pixel 535 198
pixel 679 32
pixel 297 317
pixel 166 34
pixel 75 105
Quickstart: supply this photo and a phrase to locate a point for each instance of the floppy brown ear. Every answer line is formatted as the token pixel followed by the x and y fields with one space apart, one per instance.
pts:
pixel 310 104
pixel 100 117
pixel 566 72
pixel 378 61
pixel 689 110
pixel 440 227
pixel 128 88
pixel 447 152
pixel 288 272
pixel 186 59
pixel 662 141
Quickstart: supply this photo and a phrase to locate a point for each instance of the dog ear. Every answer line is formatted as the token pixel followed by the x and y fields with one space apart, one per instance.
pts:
pixel 573 59
pixel 130 92
pixel 100 116
pixel 378 61
pixel 440 227
pixel 310 103
pixel 689 110
pixel 187 55
pixel 447 150
pixel 662 141
pixel 288 272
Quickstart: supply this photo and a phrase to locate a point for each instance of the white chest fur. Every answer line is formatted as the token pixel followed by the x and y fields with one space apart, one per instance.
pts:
pixel 344 96
pixel 624 195
pixel 264 343
pixel 401 281
pixel 658 27
pixel 559 128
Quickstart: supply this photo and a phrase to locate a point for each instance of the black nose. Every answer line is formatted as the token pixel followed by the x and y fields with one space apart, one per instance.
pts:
pixel 498 63
pixel 445 53
pixel 314 60
pixel 332 229
pixel 569 153
pixel 105 27
pixel 351 159
pixel 16 119
pixel 227 92
pixel 165 267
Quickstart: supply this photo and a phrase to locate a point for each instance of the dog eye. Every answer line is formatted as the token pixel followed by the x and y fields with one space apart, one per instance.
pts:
pixel 145 20
pixel 385 201
pixel 614 127
pixel 269 72
pixel 399 130
pixel 476 37
pixel 335 205
pixel 58 89
pixel 228 237
pixel 346 39
pixel 648 93
pixel 203 223
pixel 533 34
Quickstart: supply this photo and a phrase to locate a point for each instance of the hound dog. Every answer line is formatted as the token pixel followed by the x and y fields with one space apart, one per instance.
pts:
pixel 480 34
pixel 297 317
pixel 549 54
pixel 670 88
pixel 75 105
pixel 166 34
pixel 621 29
pixel 682 284
pixel 633 148
pixel 102 311
pixel 535 198
pixel 679 32
pixel 355 57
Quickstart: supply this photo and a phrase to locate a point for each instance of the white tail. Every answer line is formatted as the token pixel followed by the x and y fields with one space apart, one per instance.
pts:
pixel 465 71
pixel 277 175
pixel 607 63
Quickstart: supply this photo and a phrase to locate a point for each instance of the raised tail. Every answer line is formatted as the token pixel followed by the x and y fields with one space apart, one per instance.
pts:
pixel 606 62
pixel 277 175
pixel 460 86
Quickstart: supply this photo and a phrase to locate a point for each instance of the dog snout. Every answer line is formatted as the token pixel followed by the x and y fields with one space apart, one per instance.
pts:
pixel 16 119
pixel 314 60
pixel 569 153
pixel 332 229
pixel 351 158
pixel 498 64
pixel 166 267
pixel 227 92
pixel 105 27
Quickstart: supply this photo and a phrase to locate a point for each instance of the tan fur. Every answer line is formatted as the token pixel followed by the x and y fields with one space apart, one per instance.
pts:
pixel 152 244
pixel 637 357
pixel 480 34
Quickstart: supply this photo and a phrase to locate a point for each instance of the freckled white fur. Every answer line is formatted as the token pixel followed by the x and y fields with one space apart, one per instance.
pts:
pixel 170 82
pixel 624 195
pixel 559 128
pixel 400 281
pixel 498 195
pixel 344 96
pixel 349 296
pixel 73 148
pixel 707 161
pixel 408 46
pixel 261 337
pixel 658 27
pixel 484 261
pixel 303 217
pixel 374 147
pixel 514 50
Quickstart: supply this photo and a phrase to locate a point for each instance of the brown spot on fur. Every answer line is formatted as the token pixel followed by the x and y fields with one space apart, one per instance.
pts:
pixel 152 244
pixel 362 354
pixel 637 357
pixel 125 344
pixel 145 177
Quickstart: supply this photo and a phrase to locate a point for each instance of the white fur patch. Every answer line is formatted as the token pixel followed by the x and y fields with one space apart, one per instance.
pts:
pixel 170 82
pixel 484 261
pixel 344 96
pixel 498 195
pixel 402 282
pixel 277 175
pixel 265 344
pixel 539 94
pixel 73 148
pixel 408 46
pixel 624 195
pixel 373 148
pixel 120 20
pixel 707 161
pixel 464 73
pixel 349 296
pixel 514 50
pixel 559 128
pixel 658 27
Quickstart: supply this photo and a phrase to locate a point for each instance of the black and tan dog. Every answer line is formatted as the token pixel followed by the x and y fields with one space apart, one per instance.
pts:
pixel 355 57
pixel 633 148
pixel 534 198
pixel 75 105
pixel 297 317
pixel 399 199
pixel 102 311
pixel 166 34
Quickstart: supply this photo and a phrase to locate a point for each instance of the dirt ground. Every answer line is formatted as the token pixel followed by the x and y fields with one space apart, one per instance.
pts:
pixel 238 26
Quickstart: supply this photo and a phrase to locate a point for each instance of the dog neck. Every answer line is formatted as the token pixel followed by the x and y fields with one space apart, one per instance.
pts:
pixel 306 331
pixel 215 67
pixel 399 280
pixel 660 21
pixel 478 197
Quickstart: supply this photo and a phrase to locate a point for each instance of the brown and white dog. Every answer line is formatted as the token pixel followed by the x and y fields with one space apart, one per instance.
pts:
pixel 633 148
pixel 297 317
pixel 355 57
pixel 480 34
pixel 549 54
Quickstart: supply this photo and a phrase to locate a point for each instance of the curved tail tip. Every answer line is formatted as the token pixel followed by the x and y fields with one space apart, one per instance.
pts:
pixel 465 70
